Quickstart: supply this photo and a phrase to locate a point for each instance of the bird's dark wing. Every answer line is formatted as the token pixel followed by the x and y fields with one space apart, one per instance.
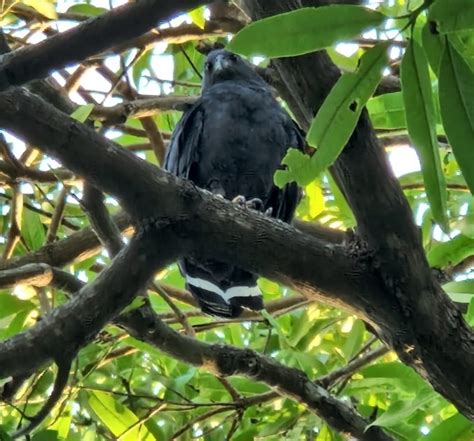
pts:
pixel 183 152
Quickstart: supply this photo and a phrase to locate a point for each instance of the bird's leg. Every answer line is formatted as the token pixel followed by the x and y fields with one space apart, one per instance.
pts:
pixel 255 204
pixel 240 200
pixel 251 204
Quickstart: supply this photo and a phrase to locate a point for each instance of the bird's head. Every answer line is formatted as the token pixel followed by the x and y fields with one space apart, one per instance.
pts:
pixel 222 65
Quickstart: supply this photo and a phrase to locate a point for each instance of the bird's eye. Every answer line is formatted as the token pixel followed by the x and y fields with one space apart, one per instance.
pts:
pixel 208 65
pixel 233 58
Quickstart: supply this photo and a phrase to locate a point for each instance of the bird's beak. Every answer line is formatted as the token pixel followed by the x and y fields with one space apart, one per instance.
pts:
pixel 220 63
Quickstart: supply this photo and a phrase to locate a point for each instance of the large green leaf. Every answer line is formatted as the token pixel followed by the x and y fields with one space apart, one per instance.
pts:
pixel 304 30
pixel 118 419
pixel 421 124
pixel 456 96
pixel 44 7
pixel 32 230
pixel 433 44
pixel 463 41
pixel 387 111
pixel 452 15
pixel 338 116
pixel 450 429
pixel 401 410
pixel 462 291
pixel 451 252
pixel 336 119
pixel 10 304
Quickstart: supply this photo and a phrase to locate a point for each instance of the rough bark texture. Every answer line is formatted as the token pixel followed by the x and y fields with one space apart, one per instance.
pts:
pixel 430 332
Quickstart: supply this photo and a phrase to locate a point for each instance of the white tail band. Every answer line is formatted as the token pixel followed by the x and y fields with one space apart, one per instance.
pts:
pixel 235 291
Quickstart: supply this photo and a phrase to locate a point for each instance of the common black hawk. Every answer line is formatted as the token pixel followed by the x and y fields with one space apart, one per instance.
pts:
pixel 231 142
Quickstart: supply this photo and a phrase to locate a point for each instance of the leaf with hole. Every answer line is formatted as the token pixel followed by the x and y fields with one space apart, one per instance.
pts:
pixel 452 15
pixel 338 116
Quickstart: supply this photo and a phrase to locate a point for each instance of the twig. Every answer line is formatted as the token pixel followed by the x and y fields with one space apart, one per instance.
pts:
pixel 176 311
pixel 16 212
pixel 352 367
pixel 57 215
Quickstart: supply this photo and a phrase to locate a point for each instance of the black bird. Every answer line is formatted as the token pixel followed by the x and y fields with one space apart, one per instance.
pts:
pixel 231 142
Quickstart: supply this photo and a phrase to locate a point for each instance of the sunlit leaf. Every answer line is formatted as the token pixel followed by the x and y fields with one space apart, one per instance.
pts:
pixel 86 9
pixel 197 16
pixel 462 291
pixel 9 304
pixel 299 169
pixel 451 252
pixel 44 7
pixel 450 429
pixel 452 15
pixel 401 410
pixel 421 122
pixel 82 112
pixel 456 95
pixel 304 30
pixel 387 111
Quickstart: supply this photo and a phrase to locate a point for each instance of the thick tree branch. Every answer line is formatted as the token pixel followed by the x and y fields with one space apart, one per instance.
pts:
pixel 206 226
pixel 225 360
pixel 89 38
pixel 75 323
pixel 431 331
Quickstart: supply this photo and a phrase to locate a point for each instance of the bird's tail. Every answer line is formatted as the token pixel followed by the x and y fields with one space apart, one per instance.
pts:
pixel 222 290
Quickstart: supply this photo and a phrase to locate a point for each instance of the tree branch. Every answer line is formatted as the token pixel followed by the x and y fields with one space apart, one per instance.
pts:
pixel 205 226
pixel 88 38
pixel 430 329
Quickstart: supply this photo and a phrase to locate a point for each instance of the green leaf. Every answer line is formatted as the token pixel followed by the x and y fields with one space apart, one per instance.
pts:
pixel 338 116
pixel 32 230
pixel 462 291
pixel 452 15
pixel 44 7
pixel 463 41
pixel 46 435
pixel 450 429
pixel 421 124
pixel 304 30
pixel 86 9
pixel 469 316
pixel 387 111
pixel 274 324
pixel 9 304
pixel 16 325
pixel 140 65
pixel 197 16
pixel 82 112
pixel 392 375
pixel 456 96
pixel 137 303
pixel 118 418
pixel 401 410
pixel 354 340
pixel 433 44
pixel 451 252
pixel 298 169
